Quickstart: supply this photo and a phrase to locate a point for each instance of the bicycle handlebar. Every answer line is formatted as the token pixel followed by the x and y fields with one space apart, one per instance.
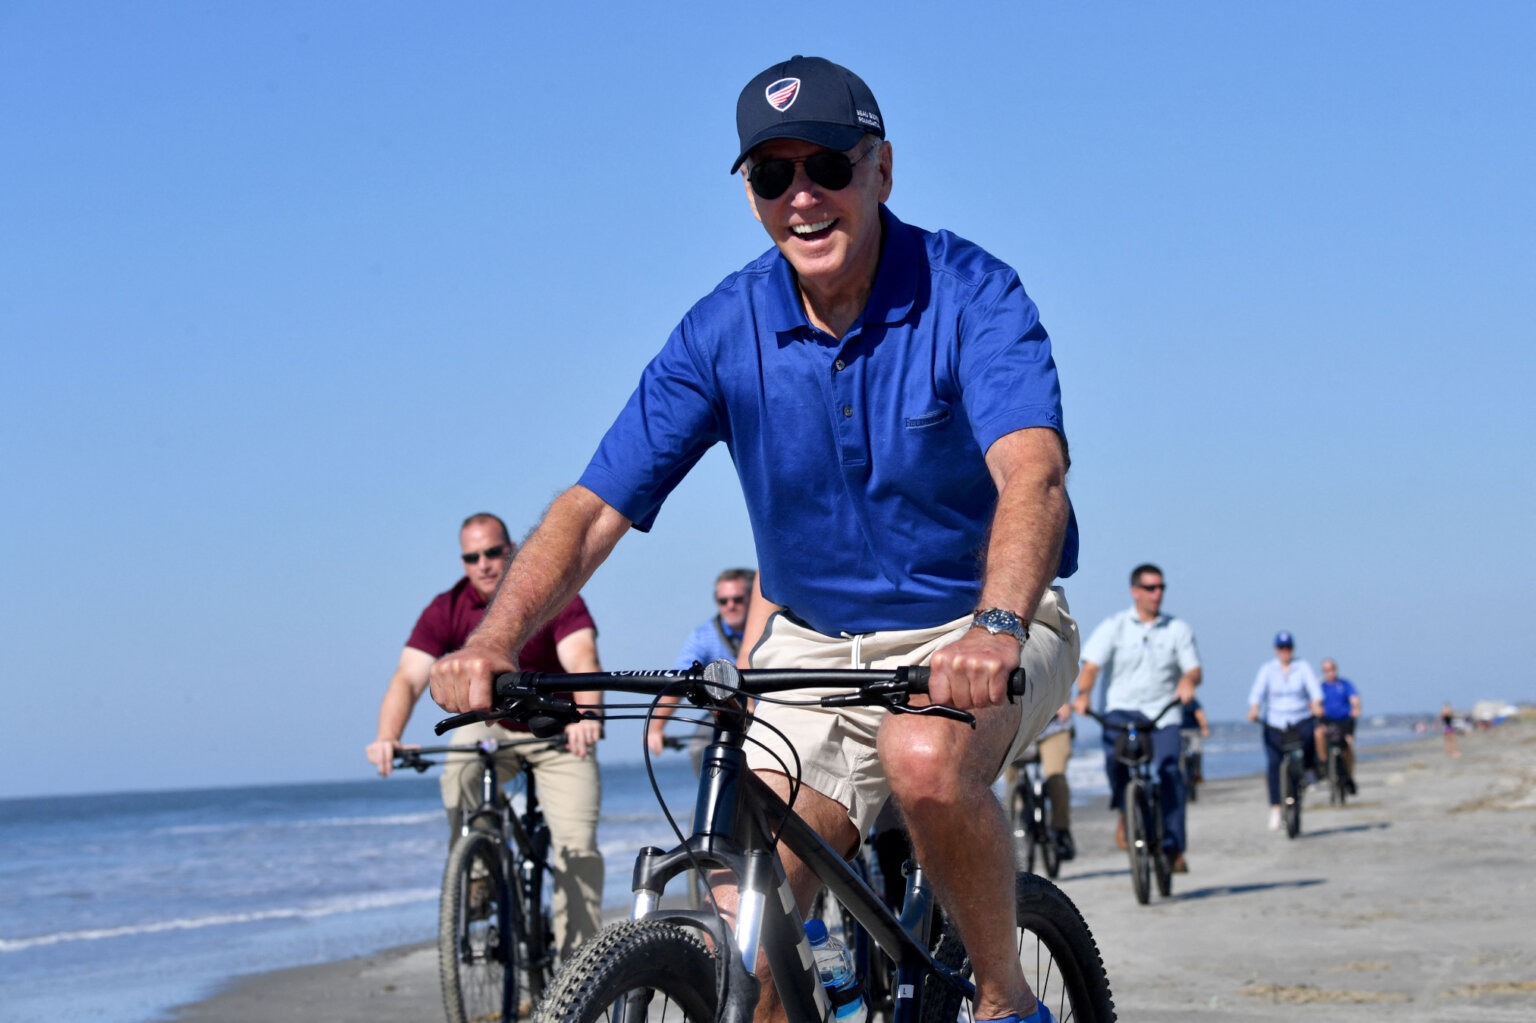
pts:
pixel 416 757
pixel 529 695
pixel 1145 723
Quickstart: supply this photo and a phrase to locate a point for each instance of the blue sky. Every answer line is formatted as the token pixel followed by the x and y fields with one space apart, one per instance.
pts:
pixel 289 289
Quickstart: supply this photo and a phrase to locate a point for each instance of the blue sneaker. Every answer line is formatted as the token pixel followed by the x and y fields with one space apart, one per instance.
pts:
pixel 1040 1015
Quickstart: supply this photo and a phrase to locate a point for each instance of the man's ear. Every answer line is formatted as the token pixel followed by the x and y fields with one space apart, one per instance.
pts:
pixel 751 198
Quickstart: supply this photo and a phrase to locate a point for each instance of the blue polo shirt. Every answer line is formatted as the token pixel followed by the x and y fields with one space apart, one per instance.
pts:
pixel 862 460
pixel 1336 697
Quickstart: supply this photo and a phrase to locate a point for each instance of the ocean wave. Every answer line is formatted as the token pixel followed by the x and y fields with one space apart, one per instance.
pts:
pixel 329 907
pixel 387 820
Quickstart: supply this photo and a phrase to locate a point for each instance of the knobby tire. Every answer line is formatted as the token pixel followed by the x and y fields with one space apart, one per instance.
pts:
pixel 1138 842
pixel 638 971
pixel 477 934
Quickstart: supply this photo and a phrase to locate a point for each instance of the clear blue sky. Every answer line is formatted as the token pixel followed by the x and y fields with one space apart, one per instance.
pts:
pixel 286 290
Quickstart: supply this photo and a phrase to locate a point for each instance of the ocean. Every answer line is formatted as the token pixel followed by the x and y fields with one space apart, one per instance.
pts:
pixel 117 907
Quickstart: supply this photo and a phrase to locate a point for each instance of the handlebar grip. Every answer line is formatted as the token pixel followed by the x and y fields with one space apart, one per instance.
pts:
pixel 917 677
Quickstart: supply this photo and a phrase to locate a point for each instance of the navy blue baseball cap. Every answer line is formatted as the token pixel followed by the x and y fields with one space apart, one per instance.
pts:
pixel 1284 639
pixel 806 98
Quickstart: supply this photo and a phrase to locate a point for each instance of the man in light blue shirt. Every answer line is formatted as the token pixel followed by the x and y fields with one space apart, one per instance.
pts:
pixel 1149 659
pixel 1289 696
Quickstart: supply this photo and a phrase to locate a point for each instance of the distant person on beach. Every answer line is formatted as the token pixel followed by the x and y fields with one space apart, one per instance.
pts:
pixel 570 788
pixel 1448 729
pixel 1288 694
pixel 1148 658
pixel 893 411
pixel 1054 748
pixel 719 638
pixel 1341 710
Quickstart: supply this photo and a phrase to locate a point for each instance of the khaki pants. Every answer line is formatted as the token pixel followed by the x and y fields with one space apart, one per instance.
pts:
pixel 570 792
pixel 1054 751
pixel 836 747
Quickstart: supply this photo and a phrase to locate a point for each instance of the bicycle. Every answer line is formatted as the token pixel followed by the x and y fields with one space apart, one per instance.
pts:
pixel 1141 807
pixel 492 929
pixel 1029 813
pixel 1340 783
pixel 1191 766
pixel 1292 779
pixel 680 964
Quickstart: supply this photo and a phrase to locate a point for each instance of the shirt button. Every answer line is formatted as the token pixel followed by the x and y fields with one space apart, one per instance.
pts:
pixel 847 411
pixel 838 365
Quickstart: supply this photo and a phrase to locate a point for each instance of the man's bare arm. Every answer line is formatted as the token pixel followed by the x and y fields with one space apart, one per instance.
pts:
pixel 577 534
pixel 1023 552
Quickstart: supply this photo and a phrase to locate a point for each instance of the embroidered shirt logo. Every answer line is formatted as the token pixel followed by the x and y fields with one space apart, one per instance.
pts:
pixel 781 94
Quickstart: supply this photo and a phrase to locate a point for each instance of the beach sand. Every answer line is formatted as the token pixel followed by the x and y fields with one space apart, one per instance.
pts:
pixel 1417 901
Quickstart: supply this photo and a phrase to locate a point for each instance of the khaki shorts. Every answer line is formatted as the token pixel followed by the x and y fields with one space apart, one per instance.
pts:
pixel 836 747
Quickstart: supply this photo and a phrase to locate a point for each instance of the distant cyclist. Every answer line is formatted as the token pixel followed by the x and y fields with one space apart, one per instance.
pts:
pixel 1341 709
pixel 1287 693
pixel 1148 658
pixel 1054 747
pixel 1194 728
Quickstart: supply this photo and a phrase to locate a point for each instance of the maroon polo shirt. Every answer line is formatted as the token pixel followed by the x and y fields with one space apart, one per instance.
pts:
pixel 452 616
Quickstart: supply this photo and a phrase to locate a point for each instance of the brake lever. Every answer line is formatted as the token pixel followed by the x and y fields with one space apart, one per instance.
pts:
pixel 468 718
pixel 938 710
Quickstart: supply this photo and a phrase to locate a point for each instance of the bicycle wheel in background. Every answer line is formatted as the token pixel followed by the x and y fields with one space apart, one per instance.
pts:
pixel 1138 841
pixel 1337 776
pixel 1162 862
pixel 1045 835
pixel 1290 793
pixel 640 971
pixel 1192 776
pixel 476 943
pixel 1060 958
pixel 1021 817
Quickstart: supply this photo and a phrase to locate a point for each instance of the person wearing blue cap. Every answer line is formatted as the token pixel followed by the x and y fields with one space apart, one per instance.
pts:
pixel 1287 693
pixel 890 402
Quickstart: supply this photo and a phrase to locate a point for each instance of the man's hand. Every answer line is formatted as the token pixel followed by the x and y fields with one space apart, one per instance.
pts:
pixel 1064 714
pixel 654 733
pixel 462 681
pixel 1185 690
pixel 972 672
pixel 582 736
pixel 1080 704
pixel 381 753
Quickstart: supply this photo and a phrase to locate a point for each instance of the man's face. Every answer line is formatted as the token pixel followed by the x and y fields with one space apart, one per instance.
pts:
pixel 731 597
pixel 482 540
pixel 1147 592
pixel 831 238
pixel 1330 671
pixel 1285 653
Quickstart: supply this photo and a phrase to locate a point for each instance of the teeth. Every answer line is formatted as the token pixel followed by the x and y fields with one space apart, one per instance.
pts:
pixel 810 228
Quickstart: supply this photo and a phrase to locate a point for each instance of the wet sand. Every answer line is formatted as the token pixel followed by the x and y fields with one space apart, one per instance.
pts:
pixel 1417 901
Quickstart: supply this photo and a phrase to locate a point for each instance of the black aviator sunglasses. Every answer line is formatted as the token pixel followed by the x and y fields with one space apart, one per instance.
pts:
pixel 832 170
pixel 491 553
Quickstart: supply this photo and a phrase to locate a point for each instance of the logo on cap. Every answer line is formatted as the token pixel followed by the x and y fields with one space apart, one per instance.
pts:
pixel 781 94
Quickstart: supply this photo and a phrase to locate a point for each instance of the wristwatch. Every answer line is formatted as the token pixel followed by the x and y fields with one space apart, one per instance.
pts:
pixel 998 620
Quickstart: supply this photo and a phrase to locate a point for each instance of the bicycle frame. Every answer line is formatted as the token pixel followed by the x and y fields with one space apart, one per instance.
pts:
pixel 738 823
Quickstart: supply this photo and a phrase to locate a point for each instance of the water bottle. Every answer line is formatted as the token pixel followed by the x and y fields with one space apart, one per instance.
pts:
pixel 834 964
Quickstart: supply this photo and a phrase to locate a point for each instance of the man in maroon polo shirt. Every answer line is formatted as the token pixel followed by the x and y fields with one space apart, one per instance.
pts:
pixel 569 784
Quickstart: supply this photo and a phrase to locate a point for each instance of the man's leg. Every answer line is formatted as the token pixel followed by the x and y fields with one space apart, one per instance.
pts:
pixel 1055 751
pixel 941 774
pixel 1165 753
pixel 570 791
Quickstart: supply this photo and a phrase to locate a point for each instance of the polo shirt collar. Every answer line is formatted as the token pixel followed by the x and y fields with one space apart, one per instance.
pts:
pixel 891 298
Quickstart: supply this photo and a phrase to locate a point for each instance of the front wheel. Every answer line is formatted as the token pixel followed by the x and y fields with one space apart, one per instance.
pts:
pixel 476 936
pixel 1045 835
pixel 1290 792
pixel 1338 777
pixel 638 971
pixel 1021 817
pixel 1060 959
pixel 1138 842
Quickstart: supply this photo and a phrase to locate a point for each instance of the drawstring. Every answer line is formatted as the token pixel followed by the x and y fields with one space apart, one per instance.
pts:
pixel 858 643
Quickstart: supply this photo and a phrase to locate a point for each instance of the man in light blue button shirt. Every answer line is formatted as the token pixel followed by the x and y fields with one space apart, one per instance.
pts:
pixel 1289 694
pixel 1149 659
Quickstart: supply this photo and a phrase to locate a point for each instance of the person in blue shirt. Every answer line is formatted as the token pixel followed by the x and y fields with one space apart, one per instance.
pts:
pixel 717 639
pixel 890 402
pixel 1287 694
pixel 1341 709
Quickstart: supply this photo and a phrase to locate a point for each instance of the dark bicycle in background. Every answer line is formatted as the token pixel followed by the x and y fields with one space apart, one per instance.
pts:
pixel 1142 806
pixel 495 937
pixel 1029 817
pixel 672 964
pixel 1341 784
pixel 1293 778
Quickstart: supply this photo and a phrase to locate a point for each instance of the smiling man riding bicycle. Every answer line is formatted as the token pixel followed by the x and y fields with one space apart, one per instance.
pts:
pixel 890 401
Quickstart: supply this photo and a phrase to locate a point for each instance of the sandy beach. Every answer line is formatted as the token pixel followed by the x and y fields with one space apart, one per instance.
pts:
pixel 1414 902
